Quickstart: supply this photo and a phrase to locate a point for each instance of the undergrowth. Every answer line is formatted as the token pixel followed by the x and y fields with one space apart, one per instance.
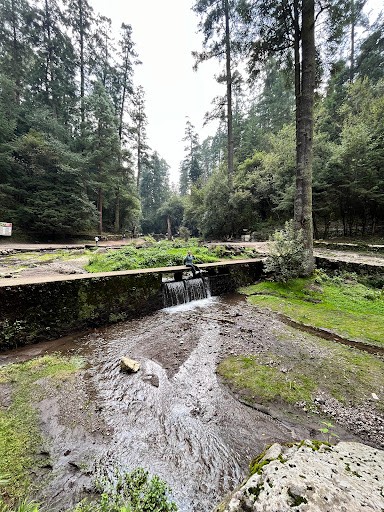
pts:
pixel 161 254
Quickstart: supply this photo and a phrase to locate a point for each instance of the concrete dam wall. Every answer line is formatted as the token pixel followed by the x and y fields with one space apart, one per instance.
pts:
pixel 34 310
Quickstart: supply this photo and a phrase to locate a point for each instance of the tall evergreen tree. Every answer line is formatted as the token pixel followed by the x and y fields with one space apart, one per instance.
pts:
pixel 138 131
pixel 17 32
pixel 154 191
pixel 190 168
pixel 215 24
pixel 52 78
pixel 80 16
pixel 103 144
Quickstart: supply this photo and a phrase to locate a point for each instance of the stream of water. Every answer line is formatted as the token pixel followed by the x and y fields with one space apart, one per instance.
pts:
pixel 173 417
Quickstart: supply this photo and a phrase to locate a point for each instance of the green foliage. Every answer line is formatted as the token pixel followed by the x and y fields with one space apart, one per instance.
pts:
pixel 327 430
pixel 161 254
pixel 285 258
pixel 48 195
pixel 217 221
pixel 172 210
pixel 154 191
pixel 23 506
pixel 130 492
pixel 185 234
pixel 164 254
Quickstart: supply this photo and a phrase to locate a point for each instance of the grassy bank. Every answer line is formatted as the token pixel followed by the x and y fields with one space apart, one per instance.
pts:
pixel 340 304
pixel 161 254
pixel 296 377
pixel 300 365
pixel 20 441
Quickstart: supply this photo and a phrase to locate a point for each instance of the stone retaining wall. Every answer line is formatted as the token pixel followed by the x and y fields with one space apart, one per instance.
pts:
pixel 40 311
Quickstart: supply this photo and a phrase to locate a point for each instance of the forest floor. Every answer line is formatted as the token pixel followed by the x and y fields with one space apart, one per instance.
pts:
pixel 27 260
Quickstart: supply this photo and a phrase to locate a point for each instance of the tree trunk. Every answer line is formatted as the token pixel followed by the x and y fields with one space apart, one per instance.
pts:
pixel 229 95
pixel 169 228
pixel 353 23
pixel 100 220
pixel 304 136
pixel 117 211
pixel 138 158
pixel 82 64
pixel 16 56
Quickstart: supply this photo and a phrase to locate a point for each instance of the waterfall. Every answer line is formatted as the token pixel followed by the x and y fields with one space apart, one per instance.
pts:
pixel 180 292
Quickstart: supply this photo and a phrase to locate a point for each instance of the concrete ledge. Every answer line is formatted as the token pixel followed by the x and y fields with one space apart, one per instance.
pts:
pixel 33 310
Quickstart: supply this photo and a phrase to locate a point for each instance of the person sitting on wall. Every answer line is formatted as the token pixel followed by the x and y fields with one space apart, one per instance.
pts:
pixel 188 261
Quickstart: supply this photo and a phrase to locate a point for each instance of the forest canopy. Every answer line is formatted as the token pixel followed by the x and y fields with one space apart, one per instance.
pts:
pixel 74 152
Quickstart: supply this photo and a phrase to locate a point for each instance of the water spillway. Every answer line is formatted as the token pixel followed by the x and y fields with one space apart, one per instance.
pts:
pixel 181 292
pixel 42 309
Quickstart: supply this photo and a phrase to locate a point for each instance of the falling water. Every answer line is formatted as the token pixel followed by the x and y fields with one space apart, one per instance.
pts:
pixel 181 292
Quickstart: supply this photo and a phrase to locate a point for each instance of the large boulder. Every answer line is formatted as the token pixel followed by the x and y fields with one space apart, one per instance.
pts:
pixel 314 477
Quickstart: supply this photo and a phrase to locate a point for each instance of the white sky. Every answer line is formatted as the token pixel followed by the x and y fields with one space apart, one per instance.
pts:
pixel 165 35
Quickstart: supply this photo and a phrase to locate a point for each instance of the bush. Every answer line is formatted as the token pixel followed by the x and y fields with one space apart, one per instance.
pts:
pixel 129 492
pixel 285 259
pixel 185 234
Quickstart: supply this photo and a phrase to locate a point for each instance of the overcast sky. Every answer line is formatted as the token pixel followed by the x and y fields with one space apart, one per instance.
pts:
pixel 165 33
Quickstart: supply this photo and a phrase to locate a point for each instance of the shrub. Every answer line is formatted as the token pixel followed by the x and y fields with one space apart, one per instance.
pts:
pixel 185 234
pixel 129 492
pixel 285 259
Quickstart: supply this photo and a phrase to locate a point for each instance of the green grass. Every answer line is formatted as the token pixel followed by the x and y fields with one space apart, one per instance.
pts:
pixel 20 440
pixel 344 306
pixel 312 364
pixel 263 382
pixel 347 375
pixel 162 254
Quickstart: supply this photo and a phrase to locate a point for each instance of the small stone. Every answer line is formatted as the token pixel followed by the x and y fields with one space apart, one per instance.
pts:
pixel 129 365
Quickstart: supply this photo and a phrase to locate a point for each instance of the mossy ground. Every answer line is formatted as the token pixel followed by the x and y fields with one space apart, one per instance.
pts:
pixel 301 365
pixel 20 440
pixel 342 305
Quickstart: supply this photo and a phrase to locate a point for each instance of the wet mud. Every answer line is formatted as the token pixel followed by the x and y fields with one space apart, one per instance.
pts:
pixel 173 417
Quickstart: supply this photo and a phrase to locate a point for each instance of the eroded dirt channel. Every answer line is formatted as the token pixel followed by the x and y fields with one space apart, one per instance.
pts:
pixel 173 417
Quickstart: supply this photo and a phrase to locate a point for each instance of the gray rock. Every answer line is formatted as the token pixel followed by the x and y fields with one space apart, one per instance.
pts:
pixel 310 477
pixel 129 365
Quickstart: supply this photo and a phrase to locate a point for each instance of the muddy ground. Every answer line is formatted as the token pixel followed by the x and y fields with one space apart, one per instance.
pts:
pixel 174 417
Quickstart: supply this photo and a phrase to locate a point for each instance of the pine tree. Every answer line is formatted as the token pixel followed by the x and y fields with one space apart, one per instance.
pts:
pixel 138 131
pixel 154 191
pixel 190 168
pixel 103 144
pixel 80 16
pixel 17 32
pixel 52 78
pixel 215 24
